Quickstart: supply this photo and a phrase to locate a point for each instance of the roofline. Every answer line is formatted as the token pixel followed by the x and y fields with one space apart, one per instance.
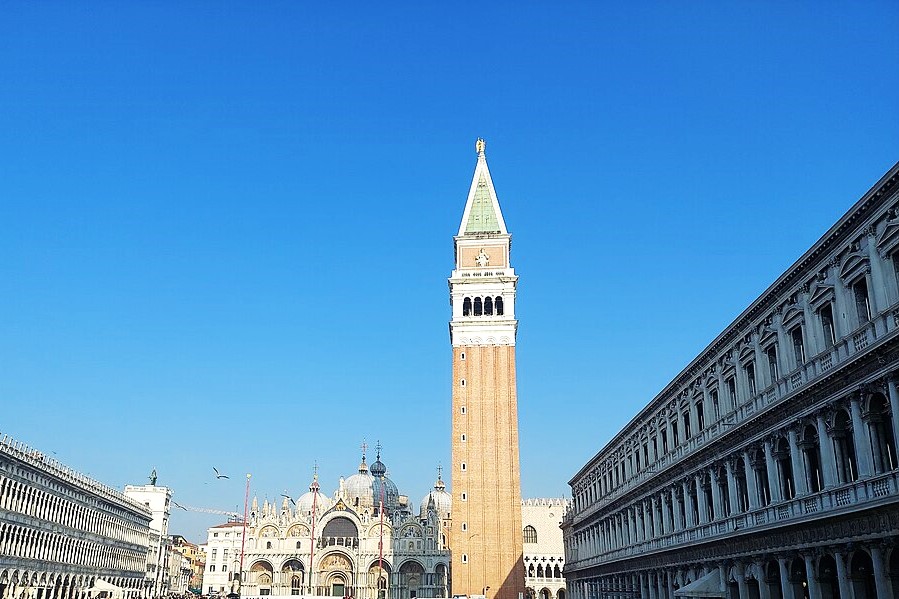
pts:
pixel 879 191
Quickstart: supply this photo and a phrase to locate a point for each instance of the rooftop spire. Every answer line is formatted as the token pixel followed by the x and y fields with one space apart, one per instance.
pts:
pixel 439 485
pixel 363 467
pixel 482 215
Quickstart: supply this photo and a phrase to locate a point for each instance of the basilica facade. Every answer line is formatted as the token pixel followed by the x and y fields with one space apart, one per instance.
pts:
pixel 365 540
pixel 767 468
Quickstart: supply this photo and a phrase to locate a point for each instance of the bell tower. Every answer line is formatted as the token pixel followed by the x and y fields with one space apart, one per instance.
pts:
pixel 486 539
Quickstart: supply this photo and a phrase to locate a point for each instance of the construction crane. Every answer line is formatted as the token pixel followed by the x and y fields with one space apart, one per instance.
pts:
pixel 232 516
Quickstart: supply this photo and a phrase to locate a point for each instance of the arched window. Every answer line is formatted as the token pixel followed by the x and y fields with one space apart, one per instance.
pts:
pixel 268 545
pixel 844 446
pixel 478 307
pixel 783 459
pixel 498 303
pixel 488 306
pixel 539 570
pixel 812 453
pixel 530 534
pixel 883 442
pixel 466 307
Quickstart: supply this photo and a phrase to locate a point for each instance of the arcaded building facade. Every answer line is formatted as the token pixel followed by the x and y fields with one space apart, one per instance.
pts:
pixel 544 554
pixel 767 468
pixel 61 532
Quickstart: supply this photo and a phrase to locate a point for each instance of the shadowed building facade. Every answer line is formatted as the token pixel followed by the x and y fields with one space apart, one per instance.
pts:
pixel 486 535
pixel 767 468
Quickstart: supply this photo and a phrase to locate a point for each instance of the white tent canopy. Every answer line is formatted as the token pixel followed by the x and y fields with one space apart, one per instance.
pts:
pixel 706 586
pixel 101 586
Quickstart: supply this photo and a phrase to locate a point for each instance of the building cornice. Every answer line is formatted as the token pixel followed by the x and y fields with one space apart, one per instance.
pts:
pixel 868 206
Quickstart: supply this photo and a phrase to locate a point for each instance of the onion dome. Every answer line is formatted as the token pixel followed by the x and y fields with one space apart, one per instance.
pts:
pixel 314 497
pixel 441 500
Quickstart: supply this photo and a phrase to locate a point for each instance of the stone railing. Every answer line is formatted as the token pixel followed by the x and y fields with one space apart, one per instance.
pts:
pixel 846 497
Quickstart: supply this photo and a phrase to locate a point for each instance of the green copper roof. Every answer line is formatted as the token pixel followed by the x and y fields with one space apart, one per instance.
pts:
pixel 482 218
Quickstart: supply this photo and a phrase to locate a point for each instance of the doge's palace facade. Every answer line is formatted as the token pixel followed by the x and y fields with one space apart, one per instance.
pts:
pixel 61 532
pixel 767 468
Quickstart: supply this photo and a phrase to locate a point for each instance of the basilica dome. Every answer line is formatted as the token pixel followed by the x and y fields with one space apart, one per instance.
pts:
pixel 314 497
pixel 443 501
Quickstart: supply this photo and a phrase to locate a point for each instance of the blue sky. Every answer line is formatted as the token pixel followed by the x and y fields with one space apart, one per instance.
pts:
pixel 226 228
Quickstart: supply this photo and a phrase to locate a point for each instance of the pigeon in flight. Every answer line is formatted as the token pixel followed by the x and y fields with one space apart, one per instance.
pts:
pixel 176 504
pixel 290 498
pixel 218 475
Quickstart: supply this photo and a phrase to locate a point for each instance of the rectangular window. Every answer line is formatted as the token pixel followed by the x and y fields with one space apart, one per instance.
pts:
pixel 716 409
pixel 771 354
pixel 700 417
pixel 750 378
pixel 826 316
pixel 732 391
pixel 214 551
pixel 645 455
pixel 664 442
pixel 464 496
pixel 798 346
pixel 225 554
pixel 463 466
pixel 462 409
pixel 463 437
pixel 268 591
pixel 686 417
pixel 862 301
pixel 674 440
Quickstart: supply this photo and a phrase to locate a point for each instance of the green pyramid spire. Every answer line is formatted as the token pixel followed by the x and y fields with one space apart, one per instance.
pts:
pixel 482 218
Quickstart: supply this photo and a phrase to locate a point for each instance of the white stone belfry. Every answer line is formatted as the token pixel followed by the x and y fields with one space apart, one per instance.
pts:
pixel 482 286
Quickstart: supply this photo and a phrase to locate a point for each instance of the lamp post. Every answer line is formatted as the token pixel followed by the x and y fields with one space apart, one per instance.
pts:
pixel 243 536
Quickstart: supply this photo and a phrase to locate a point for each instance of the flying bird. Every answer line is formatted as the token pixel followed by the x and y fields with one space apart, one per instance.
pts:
pixel 290 498
pixel 176 504
pixel 218 475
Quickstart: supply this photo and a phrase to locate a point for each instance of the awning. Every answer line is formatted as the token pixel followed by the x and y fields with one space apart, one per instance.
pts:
pixel 101 586
pixel 707 586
